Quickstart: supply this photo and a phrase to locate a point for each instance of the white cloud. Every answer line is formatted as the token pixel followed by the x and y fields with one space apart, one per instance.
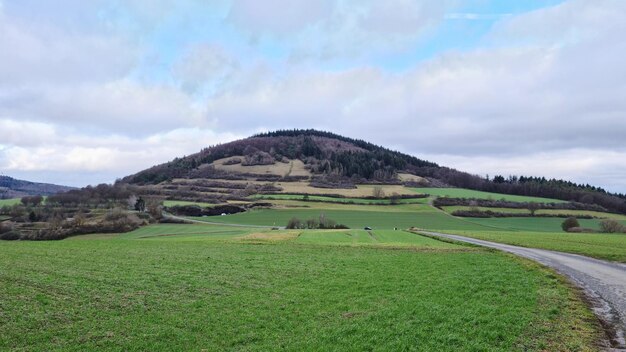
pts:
pixel 204 66
pixel 338 29
pixel 54 150
pixel 278 17
pixel 36 53
pixel 120 106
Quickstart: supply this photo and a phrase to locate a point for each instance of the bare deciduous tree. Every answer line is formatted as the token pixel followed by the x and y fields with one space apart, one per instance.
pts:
pixel 378 192
pixel 532 208
pixel 611 226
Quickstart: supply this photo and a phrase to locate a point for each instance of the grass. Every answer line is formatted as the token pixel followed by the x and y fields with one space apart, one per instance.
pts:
pixel 532 224
pixel 603 246
pixel 205 289
pixel 12 201
pixel 468 193
pixel 567 212
pixel 384 238
pixel 429 219
pixel 173 203
pixel 292 168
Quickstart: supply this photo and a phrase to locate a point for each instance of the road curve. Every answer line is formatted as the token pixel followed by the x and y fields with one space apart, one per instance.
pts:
pixel 604 282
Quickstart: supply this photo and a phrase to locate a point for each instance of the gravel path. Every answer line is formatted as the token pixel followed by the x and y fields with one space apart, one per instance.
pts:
pixel 604 282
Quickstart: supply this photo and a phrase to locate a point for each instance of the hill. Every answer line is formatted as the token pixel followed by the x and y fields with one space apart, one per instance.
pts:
pixel 13 188
pixel 326 160
pixel 322 153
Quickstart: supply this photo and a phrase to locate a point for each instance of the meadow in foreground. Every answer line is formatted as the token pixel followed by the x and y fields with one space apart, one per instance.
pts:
pixel 192 287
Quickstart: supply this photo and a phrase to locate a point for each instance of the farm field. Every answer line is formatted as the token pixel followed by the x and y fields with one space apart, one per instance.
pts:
pixel 12 201
pixel 291 168
pixel 597 214
pixel 172 203
pixel 194 287
pixel 390 238
pixel 602 246
pixel 531 224
pixel 355 219
pixel 467 193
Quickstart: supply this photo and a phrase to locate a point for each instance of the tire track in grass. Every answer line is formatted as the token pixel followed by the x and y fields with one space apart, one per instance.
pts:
pixel 372 236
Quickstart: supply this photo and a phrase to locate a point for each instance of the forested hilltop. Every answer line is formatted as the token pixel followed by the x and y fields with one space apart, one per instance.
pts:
pixel 13 188
pixel 334 159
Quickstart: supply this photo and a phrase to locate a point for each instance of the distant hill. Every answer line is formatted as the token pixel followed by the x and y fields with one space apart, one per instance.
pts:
pixel 323 153
pixel 325 159
pixel 13 188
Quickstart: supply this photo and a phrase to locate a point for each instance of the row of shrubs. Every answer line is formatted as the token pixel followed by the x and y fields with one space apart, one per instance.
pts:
pixel 491 203
pixel 321 223
pixel 472 213
pixel 195 210
pixel 341 196
pixel 115 221
pixel 571 224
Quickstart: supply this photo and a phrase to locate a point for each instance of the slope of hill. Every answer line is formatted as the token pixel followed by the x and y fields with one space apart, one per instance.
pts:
pixel 13 188
pixel 326 160
pixel 322 153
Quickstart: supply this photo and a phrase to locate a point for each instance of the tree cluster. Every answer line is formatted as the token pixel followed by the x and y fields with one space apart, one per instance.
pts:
pixel 321 223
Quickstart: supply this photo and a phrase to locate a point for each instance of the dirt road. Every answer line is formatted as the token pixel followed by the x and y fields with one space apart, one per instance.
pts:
pixel 604 282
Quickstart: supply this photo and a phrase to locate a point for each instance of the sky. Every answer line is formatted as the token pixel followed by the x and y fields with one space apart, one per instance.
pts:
pixel 91 91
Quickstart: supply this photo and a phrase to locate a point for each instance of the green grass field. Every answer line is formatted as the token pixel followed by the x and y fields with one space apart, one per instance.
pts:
pixel 172 203
pixel 531 224
pixel 431 219
pixel 12 201
pixel 383 238
pixel 602 246
pixel 467 193
pixel 202 287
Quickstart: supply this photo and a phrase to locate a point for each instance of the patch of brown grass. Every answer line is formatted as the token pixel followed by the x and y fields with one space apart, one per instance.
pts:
pixel 271 236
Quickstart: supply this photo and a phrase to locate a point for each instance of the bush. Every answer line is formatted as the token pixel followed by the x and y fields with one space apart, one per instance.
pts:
pixel 294 223
pixel 570 223
pixel 10 236
pixel 5 227
pixel 611 226
pixel 322 223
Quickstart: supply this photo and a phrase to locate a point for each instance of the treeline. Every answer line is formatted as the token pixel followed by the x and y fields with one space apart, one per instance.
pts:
pixel 500 203
pixel 475 213
pixel 544 188
pixel 100 209
pixel 100 196
pixel 321 223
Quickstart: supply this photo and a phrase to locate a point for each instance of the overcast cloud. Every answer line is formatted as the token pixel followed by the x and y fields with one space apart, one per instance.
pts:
pixel 93 91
